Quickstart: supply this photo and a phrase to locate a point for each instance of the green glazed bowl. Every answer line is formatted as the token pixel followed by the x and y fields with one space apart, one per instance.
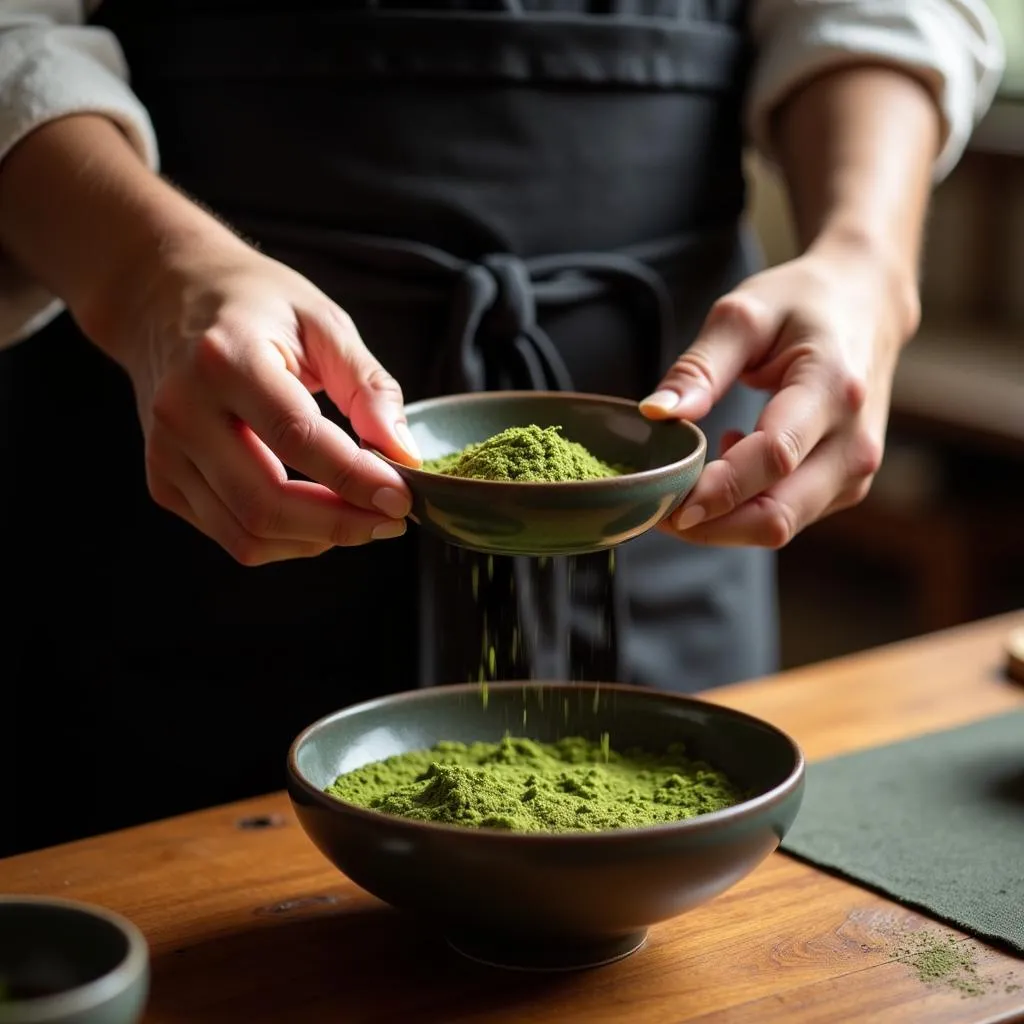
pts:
pixel 63 962
pixel 550 518
pixel 541 901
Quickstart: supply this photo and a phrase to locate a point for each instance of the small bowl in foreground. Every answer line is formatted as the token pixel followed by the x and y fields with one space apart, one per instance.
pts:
pixel 546 900
pixel 513 518
pixel 64 962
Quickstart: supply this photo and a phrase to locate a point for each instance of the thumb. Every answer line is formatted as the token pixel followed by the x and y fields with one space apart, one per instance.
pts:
pixel 738 332
pixel 357 383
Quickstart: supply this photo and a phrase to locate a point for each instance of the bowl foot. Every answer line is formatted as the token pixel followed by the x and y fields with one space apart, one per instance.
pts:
pixel 513 955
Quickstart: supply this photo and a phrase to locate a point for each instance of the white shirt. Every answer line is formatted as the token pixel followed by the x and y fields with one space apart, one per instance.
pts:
pixel 52 64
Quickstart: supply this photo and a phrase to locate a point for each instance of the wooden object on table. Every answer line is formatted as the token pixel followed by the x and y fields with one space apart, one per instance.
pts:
pixel 248 923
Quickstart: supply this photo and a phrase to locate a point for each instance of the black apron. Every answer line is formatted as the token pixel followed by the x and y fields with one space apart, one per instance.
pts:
pixel 503 193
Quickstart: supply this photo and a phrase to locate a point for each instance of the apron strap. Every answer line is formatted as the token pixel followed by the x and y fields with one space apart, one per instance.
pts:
pixel 493 340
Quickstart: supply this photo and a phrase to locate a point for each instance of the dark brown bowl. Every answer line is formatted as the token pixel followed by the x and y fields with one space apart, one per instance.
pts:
pixel 546 901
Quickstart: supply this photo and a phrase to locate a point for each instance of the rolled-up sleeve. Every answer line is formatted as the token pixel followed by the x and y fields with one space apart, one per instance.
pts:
pixel 953 46
pixel 52 64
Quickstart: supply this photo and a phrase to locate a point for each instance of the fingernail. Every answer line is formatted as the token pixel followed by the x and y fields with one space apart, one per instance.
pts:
pixel 405 439
pixel 663 401
pixel 386 531
pixel 690 517
pixel 391 502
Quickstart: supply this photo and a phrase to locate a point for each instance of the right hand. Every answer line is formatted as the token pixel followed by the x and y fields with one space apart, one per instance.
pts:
pixel 225 349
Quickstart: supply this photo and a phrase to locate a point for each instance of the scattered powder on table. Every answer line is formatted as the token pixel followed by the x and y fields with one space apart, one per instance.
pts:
pixel 525 786
pixel 950 961
pixel 525 454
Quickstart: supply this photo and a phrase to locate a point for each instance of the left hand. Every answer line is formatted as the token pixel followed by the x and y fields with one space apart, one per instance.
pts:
pixel 823 333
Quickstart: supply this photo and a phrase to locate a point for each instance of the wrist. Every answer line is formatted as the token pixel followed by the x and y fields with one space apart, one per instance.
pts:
pixel 82 213
pixel 857 145
pixel 851 247
pixel 146 259
pixel 154 233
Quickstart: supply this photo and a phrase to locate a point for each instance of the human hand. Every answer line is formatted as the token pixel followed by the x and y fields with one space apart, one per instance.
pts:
pixel 225 349
pixel 822 333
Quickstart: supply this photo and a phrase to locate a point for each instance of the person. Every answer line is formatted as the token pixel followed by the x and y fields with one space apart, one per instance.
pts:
pixel 298 217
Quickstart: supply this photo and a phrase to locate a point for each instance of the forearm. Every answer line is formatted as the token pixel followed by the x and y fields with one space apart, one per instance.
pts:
pixel 82 214
pixel 857 147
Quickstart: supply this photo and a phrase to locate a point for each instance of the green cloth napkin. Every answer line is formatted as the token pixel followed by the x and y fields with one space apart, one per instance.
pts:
pixel 935 822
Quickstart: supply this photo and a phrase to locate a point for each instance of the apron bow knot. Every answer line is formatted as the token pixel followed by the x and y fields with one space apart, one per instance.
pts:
pixel 495 332
pixel 493 326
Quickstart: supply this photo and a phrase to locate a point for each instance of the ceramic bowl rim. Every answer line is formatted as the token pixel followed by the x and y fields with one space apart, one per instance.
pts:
pixel 710 821
pixel 92 994
pixel 624 479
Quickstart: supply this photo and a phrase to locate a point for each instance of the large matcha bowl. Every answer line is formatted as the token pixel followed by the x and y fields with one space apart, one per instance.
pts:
pixel 664 458
pixel 546 901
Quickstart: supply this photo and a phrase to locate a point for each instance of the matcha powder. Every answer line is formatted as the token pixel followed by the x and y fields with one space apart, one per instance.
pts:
pixel 524 454
pixel 524 786
pixel 950 962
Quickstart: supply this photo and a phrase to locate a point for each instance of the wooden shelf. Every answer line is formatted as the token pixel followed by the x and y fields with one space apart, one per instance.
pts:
pixel 964 377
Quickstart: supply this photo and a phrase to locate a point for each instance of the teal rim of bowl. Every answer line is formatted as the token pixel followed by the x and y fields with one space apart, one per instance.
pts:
pixel 91 995
pixel 656 473
pixel 701 823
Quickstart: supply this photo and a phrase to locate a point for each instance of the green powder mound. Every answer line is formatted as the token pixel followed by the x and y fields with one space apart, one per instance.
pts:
pixel 524 786
pixel 524 454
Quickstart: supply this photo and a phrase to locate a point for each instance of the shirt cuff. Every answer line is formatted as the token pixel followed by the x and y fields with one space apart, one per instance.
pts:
pixel 47 73
pixel 959 58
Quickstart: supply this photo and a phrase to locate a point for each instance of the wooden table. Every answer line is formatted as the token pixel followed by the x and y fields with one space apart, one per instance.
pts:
pixel 249 924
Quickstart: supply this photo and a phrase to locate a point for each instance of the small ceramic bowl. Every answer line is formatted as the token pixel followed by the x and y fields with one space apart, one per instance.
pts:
pixel 63 962
pixel 540 901
pixel 665 459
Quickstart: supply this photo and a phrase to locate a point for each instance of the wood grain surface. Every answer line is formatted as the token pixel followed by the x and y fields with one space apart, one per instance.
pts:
pixel 249 924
